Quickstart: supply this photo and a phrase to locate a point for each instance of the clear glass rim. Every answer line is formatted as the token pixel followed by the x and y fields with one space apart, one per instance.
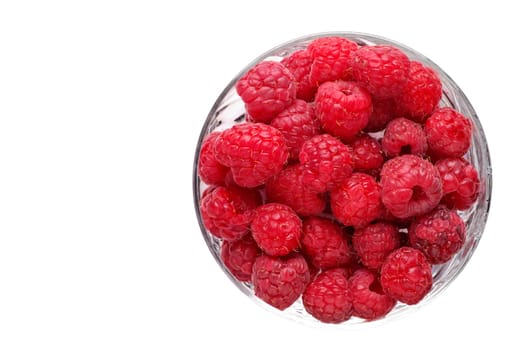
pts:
pixel 365 39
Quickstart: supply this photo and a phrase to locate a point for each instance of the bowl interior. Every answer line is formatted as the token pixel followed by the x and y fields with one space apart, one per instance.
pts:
pixel 229 110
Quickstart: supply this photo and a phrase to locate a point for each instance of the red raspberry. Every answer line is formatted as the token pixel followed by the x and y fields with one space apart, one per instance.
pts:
pixel 254 152
pixel 343 108
pixel 438 234
pixel 276 229
pixel 280 281
pixel 326 162
pixel 404 136
pixel 460 182
pixel 421 93
pixel 406 275
pixel 299 64
pixel 383 69
pixel 325 243
pixel 374 242
pixel 239 256
pixel 327 297
pixel 207 191
pixel 228 211
pixel 366 153
pixel 209 169
pixel 448 133
pixel 411 186
pixel 383 112
pixel 267 89
pixel 357 201
pixel 331 59
pixel 287 188
pixel 297 123
pixel 368 298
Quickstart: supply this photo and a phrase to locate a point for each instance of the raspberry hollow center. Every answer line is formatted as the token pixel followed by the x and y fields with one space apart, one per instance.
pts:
pixel 406 149
pixel 418 194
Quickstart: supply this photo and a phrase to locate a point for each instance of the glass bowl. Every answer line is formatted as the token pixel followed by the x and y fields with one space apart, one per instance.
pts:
pixel 229 110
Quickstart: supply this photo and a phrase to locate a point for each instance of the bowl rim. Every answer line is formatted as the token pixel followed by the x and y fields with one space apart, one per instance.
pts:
pixel 362 39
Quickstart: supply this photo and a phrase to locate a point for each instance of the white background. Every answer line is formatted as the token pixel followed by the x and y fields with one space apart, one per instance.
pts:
pixel 101 104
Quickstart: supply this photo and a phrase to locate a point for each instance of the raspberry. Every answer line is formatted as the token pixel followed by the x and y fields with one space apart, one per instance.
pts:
pixel 438 234
pixel 228 211
pixel 374 242
pixel 276 228
pixel 368 298
pixel 460 182
pixel 287 188
pixel 209 169
pixel 366 153
pixel 297 123
pixel 357 201
pixel 239 256
pixel 343 108
pixel 411 186
pixel 299 64
pixel 421 93
pixel 383 69
pixel 207 191
pixel 328 298
pixel 267 89
pixel 384 111
pixel 448 133
pixel 280 281
pixel 326 162
pixel 331 59
pixel 406 275
pixel 254 152
pixel 404 136
pixel 325 243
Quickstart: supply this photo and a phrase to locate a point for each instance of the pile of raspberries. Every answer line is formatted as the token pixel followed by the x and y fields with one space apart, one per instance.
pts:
pixel 342 186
